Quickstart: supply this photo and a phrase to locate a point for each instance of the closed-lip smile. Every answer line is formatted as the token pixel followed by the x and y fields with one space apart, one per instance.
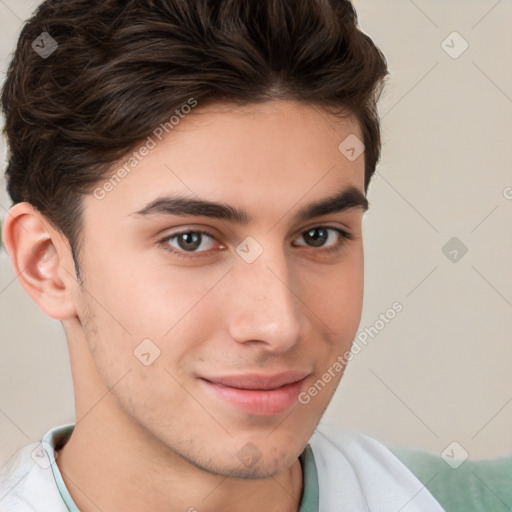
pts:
pixel 258 393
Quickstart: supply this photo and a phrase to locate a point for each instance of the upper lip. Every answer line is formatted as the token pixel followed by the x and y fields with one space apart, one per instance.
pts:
pixel 258 380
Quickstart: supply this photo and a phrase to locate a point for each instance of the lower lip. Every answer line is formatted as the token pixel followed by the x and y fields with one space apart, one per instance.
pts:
pixel 257 401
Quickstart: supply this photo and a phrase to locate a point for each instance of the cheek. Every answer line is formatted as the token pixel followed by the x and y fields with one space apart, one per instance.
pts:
pixel 132 302
pixel 144 295
pixel 335 296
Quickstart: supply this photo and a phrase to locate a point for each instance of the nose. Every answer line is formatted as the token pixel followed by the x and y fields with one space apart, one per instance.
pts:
pixel 265 306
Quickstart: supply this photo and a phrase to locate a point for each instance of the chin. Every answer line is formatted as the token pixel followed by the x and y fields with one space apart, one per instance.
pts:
pixel 247 462
pixel 262 469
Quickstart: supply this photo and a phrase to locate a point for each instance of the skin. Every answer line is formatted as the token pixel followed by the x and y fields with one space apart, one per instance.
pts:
pixel 153 437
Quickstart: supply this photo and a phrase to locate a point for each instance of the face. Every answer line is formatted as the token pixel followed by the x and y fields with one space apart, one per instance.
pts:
pixel 213 323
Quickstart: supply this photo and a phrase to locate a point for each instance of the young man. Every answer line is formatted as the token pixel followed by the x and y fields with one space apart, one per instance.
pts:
pixel 189 179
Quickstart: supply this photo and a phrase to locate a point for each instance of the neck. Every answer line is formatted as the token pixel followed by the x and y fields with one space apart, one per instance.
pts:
pixel 109 468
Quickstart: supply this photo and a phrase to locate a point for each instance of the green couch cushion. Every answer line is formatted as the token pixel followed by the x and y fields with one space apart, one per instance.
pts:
pixel 479 485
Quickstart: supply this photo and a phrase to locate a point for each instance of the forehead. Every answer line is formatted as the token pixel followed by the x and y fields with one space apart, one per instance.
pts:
pixel 274 154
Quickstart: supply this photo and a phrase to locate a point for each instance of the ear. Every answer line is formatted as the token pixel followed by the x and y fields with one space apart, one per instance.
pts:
pixel 42 260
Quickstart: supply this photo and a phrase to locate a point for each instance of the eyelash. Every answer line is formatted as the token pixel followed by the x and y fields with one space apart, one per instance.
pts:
pixel 344 238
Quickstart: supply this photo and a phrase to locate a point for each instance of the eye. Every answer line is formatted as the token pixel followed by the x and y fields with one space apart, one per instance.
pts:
pixel 325 236
pixel 188 242
pixel 194 242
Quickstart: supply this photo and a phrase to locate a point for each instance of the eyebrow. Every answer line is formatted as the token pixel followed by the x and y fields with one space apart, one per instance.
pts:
pixel 347 198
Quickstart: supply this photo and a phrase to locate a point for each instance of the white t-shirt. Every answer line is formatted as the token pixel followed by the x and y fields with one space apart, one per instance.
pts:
pixel 344 471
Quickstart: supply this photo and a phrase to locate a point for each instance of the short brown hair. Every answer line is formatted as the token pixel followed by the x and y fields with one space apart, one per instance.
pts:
pixel 122 68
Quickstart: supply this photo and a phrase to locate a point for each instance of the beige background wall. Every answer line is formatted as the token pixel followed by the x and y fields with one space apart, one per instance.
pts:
pixel 440 370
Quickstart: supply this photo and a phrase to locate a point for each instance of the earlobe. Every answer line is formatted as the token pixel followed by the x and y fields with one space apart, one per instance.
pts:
pixel 40 258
